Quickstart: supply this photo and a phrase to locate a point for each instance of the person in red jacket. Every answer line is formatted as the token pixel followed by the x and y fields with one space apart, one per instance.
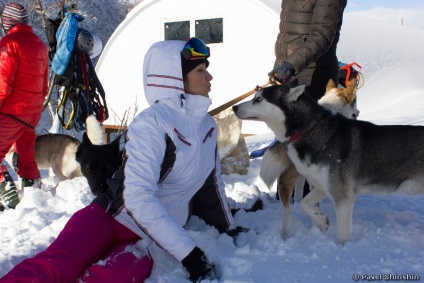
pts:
pixel 23 86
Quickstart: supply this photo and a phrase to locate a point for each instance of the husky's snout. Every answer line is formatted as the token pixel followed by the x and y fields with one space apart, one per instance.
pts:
pixel 241 111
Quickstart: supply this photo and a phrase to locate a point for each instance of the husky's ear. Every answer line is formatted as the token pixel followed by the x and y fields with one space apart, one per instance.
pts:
pixel 85 139
pixel 330 85
pixel 295 92
pixel 350 91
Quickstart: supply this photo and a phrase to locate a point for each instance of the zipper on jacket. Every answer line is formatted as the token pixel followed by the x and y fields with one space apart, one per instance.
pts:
pixel 182 97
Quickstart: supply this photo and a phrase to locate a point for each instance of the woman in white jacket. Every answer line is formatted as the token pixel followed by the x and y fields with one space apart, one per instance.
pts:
pixel 171 169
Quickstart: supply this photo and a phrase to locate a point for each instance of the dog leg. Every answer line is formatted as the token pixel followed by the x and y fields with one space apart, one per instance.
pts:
pixel 56 167
pixel 344 211
pixel 309 206
pixel 298 188
pixel 285 188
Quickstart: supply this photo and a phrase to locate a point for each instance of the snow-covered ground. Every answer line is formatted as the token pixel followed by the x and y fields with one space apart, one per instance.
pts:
pixel 388 231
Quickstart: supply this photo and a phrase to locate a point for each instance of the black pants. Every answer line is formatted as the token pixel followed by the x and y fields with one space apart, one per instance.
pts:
pixel 316 79
pixel 207 205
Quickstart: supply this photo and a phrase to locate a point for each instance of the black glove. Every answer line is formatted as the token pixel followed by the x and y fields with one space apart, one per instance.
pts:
pixel 283 73
pixel 236 231
pixel 199 267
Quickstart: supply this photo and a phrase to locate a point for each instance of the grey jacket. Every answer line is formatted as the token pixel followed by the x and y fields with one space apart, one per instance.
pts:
pixel 309 32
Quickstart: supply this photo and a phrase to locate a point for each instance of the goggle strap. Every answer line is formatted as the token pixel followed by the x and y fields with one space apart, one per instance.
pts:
pixel 197 57
pixel 186 53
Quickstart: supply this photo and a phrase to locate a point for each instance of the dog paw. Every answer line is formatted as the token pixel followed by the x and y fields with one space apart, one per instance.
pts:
pixel 321 221
pixel 285 233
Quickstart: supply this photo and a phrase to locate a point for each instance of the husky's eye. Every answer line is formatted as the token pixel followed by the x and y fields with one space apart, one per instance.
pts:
pixel 258 99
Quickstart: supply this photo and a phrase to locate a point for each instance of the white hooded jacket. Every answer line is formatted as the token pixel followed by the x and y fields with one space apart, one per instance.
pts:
pixel 157 203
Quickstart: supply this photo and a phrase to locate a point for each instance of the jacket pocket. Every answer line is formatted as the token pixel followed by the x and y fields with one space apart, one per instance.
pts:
pixel 181 137
pixel 209 134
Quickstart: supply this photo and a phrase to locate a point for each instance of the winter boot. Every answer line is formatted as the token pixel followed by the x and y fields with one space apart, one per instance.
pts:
pixel 9 197
pixel 36 183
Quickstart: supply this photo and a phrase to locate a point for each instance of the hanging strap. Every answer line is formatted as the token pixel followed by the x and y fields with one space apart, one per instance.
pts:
pixel 61 108
pixel 19 120
pixel 91 98
pixel 85 95
pixel 98 97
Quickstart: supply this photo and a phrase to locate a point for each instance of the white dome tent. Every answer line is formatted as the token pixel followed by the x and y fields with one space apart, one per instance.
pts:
pixel 240 33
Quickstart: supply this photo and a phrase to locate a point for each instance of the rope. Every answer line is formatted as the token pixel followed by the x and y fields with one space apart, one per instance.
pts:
pixel 85 95
pixel 61 109
pixel 19 120
pixel 230 103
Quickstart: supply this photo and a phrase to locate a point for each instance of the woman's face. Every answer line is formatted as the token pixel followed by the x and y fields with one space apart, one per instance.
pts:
pixel 197 81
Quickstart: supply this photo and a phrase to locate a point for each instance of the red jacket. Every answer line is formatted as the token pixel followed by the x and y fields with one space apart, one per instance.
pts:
pixel 23 71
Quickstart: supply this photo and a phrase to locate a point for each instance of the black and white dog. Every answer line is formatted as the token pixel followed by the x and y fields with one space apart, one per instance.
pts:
pixel 98 162
pixel 340 157
pixel 276 164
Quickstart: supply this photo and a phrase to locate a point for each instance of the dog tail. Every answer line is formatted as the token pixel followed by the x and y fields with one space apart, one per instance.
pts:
pixel 95 131
pixel 273 164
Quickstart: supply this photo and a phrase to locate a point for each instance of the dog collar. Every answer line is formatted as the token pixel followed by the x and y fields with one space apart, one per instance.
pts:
pixel 295 137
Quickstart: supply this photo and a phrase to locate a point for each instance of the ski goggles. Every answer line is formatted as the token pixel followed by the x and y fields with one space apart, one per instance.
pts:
pixel 348 72
pixel 195 49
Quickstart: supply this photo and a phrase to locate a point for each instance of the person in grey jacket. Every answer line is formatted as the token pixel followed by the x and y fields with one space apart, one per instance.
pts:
pixel 306 46
pixel 171 171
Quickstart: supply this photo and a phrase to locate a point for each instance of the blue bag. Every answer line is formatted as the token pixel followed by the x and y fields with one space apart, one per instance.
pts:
pixel 65 36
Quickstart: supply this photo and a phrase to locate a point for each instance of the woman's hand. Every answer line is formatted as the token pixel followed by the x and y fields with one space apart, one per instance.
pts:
pixel 199 267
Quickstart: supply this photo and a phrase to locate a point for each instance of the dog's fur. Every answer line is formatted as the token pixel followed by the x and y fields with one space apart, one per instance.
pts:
pixel 57 151
pixel 340 157
pixel 98 162
pixel 276 163
pixel 69 158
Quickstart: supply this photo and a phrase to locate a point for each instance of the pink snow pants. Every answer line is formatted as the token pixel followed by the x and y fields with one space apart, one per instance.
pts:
pixel 23 137
pixel 93 247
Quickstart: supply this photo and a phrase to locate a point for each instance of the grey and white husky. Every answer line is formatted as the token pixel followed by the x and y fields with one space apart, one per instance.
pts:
pixel 276 165
pixel 340 157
